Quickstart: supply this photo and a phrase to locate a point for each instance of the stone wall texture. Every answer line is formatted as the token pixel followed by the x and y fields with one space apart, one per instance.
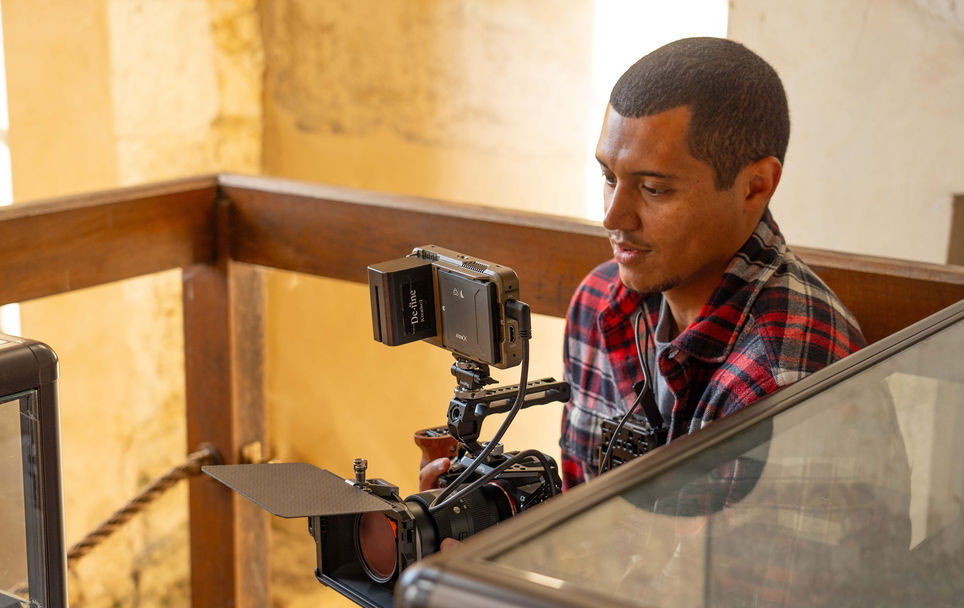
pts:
pixel 108 93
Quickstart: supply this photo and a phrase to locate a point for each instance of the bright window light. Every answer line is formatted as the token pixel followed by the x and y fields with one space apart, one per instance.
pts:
pixel 624 31
pixel 9 314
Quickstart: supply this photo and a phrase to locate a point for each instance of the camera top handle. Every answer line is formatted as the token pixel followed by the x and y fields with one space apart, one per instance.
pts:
pixel 472 403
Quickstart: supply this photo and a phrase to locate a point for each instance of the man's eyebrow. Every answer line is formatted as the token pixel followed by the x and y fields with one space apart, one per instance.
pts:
pixel 655 174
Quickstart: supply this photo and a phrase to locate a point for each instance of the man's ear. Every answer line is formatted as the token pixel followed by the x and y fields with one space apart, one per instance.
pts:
pixel 762 178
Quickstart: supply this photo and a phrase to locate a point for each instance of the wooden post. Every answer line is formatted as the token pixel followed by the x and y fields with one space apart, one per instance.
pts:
pixel 223 334
pixel 252 523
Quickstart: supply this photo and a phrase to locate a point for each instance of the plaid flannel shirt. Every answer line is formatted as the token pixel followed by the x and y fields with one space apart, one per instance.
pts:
pixel 769 322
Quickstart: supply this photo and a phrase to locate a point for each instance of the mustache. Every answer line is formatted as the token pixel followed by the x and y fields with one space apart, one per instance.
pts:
pixel 622 240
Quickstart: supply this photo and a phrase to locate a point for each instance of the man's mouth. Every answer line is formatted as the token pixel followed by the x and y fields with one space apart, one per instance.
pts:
pixel 627 253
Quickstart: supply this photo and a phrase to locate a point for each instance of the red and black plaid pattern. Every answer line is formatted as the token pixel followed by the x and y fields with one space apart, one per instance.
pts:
pixel 770 322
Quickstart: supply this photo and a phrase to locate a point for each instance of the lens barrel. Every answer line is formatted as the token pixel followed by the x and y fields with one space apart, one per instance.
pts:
pixel 471 513
pixel 384 545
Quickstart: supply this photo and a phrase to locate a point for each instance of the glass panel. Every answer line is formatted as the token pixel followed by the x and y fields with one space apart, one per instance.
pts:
pixel 853 495
pixel 20 513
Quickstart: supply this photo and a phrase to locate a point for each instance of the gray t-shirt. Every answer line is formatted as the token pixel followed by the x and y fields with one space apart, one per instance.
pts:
pixel 661 337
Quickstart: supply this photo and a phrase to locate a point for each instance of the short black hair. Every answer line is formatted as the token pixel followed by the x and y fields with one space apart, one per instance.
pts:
pixel 739 108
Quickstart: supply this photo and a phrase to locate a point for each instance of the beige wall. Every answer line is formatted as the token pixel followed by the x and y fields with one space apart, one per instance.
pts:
pixel 876 94
pixel 439 99
pixel 58 87
pixel 459 100
pixel 876 91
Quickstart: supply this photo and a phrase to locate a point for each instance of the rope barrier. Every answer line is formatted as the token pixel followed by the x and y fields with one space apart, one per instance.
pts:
pixel 205 455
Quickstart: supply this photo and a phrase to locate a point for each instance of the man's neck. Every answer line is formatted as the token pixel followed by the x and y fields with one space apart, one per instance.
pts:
pixel 686 301
pixel 681 319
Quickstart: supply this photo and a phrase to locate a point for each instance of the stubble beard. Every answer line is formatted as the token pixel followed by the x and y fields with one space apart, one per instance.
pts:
pixel 659 287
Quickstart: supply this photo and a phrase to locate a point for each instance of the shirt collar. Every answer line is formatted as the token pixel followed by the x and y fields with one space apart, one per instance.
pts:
pixel 713 334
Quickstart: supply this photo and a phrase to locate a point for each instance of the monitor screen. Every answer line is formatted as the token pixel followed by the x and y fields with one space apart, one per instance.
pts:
pixel 19 498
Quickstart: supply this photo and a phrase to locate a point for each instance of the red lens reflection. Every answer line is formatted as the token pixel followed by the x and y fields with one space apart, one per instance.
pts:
pixel 377 545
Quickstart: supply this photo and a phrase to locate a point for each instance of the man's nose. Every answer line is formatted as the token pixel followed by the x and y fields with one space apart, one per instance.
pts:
pixel 621 212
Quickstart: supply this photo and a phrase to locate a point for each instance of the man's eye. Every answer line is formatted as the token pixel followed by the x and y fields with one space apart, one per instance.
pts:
pixel 609 179
pixel 654 191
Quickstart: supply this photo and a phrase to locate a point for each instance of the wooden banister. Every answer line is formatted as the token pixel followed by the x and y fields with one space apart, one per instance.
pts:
pixel 883 293
pixel 59 245
pixel 338 232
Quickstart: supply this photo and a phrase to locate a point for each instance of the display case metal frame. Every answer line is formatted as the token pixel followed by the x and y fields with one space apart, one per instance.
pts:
pixel 469 577
pixel 28 380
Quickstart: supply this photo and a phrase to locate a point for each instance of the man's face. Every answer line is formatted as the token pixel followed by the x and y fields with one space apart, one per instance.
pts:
pixel 670 228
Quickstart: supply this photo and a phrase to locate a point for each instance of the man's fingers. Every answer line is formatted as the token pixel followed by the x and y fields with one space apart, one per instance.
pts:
pixel 428 476
pixel 448 544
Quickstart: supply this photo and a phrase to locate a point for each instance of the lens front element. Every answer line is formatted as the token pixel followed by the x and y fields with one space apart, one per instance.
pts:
pixel 377 546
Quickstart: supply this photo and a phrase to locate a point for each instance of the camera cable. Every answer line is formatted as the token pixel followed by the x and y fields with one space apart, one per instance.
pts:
pixel 520 311
pixel 495 472
pixel 640 388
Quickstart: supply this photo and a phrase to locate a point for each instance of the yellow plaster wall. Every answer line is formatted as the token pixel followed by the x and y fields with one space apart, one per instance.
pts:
pixel 455 100
pixel 460 100
pixel 58 88
pixel 466 101
pixel 104 93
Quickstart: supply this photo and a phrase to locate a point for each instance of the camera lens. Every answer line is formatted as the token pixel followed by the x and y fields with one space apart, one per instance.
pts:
pixel 377 546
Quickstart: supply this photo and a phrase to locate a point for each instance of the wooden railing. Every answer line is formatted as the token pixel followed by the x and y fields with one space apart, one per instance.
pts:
pixel 207 225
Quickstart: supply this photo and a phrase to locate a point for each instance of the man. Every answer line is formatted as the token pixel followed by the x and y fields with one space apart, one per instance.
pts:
pixel 691 151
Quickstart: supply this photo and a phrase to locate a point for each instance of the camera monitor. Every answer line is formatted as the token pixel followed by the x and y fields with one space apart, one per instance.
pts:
pixel 448 299
pixel 32 555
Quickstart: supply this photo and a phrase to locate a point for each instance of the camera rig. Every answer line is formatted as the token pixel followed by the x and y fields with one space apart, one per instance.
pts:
pixel 364 531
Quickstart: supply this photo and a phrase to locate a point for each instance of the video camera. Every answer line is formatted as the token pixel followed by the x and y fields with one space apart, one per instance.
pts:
pixel 365 533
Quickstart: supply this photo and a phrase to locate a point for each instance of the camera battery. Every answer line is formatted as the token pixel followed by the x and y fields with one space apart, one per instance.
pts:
pixel 403 300
pixel 468 316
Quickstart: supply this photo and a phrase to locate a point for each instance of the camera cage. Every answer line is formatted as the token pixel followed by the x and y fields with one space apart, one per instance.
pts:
pixel 334 506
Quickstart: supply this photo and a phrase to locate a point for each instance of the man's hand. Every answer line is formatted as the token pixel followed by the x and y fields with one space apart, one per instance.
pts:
pixel 428 476
pixel 427 480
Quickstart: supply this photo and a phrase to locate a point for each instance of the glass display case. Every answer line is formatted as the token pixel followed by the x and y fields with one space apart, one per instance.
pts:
pixel 846 488
pixel 32 556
